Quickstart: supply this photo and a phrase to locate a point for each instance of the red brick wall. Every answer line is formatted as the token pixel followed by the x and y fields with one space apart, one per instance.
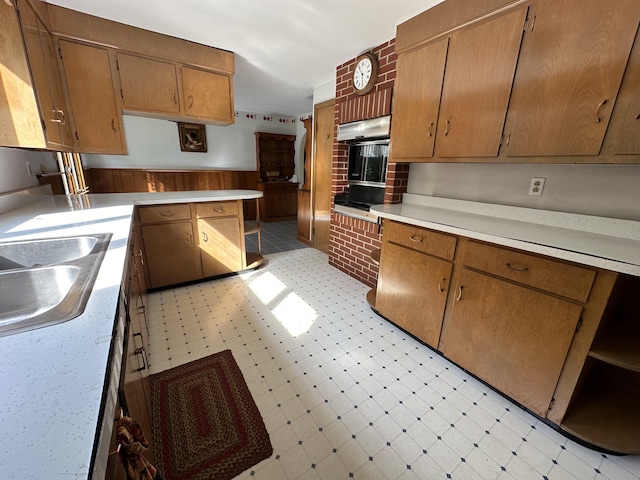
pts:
pixel 351 240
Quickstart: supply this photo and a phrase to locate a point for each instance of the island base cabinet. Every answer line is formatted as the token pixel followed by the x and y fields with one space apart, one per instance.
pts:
pixel 514 338
pixel 412 291
pixel 221 245
pixel 171 253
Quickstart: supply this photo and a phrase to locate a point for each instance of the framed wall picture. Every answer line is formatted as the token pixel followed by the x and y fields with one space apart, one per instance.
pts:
pixel 192 137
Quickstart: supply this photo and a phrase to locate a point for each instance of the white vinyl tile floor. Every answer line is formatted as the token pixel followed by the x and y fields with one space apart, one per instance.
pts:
pixel 346 394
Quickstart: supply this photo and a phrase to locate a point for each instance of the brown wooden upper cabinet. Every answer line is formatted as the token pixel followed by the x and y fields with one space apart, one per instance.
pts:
pixel 97 119
pixel 573 59
pixel 148 85
pixel 207 95
pixel 451 95
pixel 34 113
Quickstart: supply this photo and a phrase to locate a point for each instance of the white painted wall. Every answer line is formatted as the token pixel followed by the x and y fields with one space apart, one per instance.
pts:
pixel 13 165
pixel 324 91
pixel 153 143
pixel 602 190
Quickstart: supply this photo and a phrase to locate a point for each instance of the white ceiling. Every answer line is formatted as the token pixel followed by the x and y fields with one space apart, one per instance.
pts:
pixel 283 47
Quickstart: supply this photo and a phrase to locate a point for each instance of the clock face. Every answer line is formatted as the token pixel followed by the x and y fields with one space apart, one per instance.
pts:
pixel 365 73
pixel 362 74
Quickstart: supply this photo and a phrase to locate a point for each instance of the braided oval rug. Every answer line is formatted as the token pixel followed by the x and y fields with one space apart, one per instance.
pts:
pixel 206 424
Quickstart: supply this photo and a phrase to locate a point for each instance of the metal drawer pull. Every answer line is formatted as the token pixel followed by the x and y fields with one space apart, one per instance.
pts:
pixel 140 351
pixel 415 239
pixel 440 285
pixel 205 237
pixel 219 209
pixel 638 116
pixel 167 213
pixel 603 102
pixel 459 294
pixel 517 269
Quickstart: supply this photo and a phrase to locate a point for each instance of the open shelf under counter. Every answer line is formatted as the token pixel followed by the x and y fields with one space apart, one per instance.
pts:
pixel 618 345
pixel 606 412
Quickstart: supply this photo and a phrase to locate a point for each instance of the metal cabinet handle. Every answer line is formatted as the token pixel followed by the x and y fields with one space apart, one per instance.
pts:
pixel 516 268
pixel 113 125
pixel 459 297
pixel 440 289
pixel 142 309
pixel 190 97
pixel 140 351
pixel 430 131
pixel 205 237
pixel 416 239
pixel 167 213
pixel 174 100
pixel 59 115
pixel 219 209
pixel 603 102
pixel 638 116
pixel 446 127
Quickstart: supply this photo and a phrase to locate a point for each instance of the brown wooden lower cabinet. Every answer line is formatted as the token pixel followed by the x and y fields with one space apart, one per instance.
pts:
pixel 557 337
pixel 412 290
pixel 512 337
pixel 280 201
pixel 170 252
pixel 191 241
pixel 304 216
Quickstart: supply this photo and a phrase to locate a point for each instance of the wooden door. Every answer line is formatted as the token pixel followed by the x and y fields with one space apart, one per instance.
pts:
pixel 324 114
pixel 481 64
pixel 148 85
pixel 207 95
pixel 412 291
pixel 221 245
pixel 171 253
pixel 512 337
pixel 568 76
pixel 416 102
pixel 97 119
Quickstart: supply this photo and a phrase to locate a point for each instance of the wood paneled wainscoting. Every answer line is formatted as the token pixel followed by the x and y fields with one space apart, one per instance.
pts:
pixel 125 180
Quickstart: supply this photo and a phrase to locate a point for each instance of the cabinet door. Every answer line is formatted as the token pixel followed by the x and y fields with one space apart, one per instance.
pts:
pixel 171 255
pixel 477 85
pixel 221 245
pixel 148 85
pixel 207 95
pixel 514 338
pixel 412 291
pixel 416 101
pixel 572 61
pixel 628 142
pixel 97 119
pixel 46 79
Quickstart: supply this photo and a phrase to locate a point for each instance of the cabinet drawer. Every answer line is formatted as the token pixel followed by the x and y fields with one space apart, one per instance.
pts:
pixel 549 275
pixel 427 241
pixel 164 213
pixel 217 209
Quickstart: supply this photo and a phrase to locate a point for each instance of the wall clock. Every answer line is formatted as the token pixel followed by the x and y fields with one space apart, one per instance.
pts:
pixel 365 73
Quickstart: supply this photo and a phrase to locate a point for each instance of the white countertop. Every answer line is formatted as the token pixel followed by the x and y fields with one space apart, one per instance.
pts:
pixel 606 243
pixel 51 379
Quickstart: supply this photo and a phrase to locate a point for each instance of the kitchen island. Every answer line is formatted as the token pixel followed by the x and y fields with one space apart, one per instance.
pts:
pixel 52 380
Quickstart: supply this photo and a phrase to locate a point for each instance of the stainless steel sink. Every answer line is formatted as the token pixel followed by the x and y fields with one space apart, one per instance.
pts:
pixel 31 253
pixel 48 281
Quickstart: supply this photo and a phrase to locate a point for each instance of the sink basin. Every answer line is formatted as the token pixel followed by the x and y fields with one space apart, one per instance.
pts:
pixel 30 253
pixel 49 281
